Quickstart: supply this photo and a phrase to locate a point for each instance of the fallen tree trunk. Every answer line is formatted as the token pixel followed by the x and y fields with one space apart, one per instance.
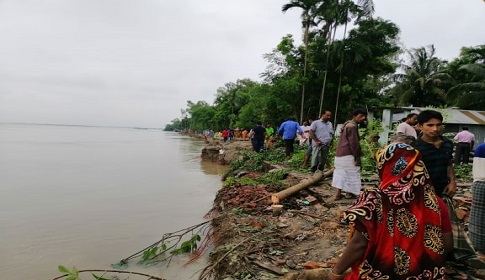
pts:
pixel 317 177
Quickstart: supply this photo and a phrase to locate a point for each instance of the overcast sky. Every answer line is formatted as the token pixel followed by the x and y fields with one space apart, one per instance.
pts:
pixel 137 62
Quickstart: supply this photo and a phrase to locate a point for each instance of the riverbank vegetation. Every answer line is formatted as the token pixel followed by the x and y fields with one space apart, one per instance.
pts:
pixel 366 67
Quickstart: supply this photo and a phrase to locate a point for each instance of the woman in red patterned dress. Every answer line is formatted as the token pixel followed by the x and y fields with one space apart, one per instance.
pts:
pixel 400 230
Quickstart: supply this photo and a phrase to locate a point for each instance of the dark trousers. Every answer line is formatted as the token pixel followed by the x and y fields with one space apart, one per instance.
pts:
pixel 258 144
pixel 462 153
pixel 289 146
pixel 320 157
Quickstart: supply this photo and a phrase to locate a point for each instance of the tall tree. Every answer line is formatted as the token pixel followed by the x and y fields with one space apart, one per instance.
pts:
pixel 469 73
pixel 336 13
pixel 201 115
pixel 470 95
pixel 423 81
pixel 230 99
pixel 308 19
pixel 283 73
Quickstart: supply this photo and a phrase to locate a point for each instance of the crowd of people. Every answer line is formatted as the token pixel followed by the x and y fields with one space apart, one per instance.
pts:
pixel 406 228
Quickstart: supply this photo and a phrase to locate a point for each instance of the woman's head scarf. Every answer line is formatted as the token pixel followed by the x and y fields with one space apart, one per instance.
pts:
pixel 401 220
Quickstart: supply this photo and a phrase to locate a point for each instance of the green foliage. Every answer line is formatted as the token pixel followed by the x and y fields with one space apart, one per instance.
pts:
pixel 463 171
pixel 73 273
pixel 232 181
pixel 424 82
pixel 298 156
pixel 202 115
pixel 150 253
pixel 99 277
pixel 173 126
pixel 254 162
pixel 274 176
pixel 468 71
pixel 469 94
pixel 249 161
pixel 187 246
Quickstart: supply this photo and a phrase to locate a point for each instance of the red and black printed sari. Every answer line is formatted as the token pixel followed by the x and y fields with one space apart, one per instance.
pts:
pixel 401 220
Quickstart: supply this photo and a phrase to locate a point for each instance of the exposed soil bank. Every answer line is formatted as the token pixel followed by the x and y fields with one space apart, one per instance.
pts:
pixel 253 241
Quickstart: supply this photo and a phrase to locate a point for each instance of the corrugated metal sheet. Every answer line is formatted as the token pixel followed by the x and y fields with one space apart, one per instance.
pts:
pixel 456 116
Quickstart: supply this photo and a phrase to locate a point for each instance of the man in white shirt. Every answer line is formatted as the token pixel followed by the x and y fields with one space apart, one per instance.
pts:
pixel 321 132
pixel 407 127
pixel 464 144
pixel 305 138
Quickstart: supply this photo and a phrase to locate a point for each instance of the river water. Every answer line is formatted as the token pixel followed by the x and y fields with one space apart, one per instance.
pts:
pixel 90 196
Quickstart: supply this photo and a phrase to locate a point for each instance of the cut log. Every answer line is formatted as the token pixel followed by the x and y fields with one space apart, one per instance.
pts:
pixel 313 180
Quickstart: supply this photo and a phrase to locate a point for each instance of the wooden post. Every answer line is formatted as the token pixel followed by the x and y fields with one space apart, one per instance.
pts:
pixel 314 179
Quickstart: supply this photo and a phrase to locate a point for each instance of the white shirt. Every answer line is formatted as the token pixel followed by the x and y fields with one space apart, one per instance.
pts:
pixel 464 136
pixel 406 129
pixel 478 170
pixel 304 138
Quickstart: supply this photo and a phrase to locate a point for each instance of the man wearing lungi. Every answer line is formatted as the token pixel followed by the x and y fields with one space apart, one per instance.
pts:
pixel 346 176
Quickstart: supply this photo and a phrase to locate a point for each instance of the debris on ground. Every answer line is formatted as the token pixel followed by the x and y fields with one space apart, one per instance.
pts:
pixel 300 238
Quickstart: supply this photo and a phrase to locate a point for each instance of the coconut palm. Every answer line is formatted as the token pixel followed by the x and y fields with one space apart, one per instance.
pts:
pixel 308 20
pixel 336 13
pixel 470 95
pixel 423 80
pixel 469 72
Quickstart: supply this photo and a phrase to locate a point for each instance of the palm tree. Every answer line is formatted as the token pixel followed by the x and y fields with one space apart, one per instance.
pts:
pixel 308 19
pixel 470 95
pixel 336 13
pixel 422 82
pixel 469 72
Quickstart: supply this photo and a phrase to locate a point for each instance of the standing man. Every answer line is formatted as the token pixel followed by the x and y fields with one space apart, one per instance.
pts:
pixel 225 135
pixel 437 152
pixel 288 131
pixel 437 155
pixel 321 133
pixel 476 226
pixel 308 152
pixel 465 141
pixel 244 134
pixel 406 128
pixel 258 134
pixel 346 176
pixel 305 138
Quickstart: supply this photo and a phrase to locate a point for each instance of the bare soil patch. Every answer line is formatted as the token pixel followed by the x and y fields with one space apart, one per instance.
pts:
pixel 301 242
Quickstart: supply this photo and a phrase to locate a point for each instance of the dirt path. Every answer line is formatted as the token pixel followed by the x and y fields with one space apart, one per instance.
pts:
pixel 252 242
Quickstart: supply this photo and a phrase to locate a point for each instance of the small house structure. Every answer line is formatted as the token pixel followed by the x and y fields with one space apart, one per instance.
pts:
pixel 454 120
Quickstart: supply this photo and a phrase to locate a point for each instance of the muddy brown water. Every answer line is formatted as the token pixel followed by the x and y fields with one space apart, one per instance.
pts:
pixel 90 196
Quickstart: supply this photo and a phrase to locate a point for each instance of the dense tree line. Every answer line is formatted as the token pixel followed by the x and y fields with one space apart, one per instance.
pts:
pixel 365 68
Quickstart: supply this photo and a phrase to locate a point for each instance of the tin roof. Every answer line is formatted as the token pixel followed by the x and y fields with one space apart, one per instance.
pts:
pixel 457 116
